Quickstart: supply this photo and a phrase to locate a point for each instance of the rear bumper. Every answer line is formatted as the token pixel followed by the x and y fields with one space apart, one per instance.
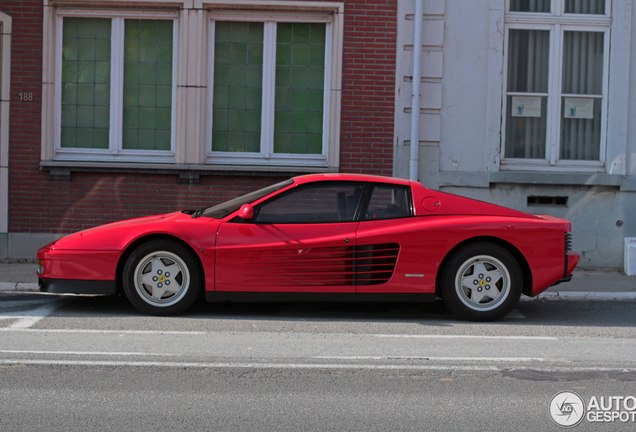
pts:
pixel 571 260
pixel 77 286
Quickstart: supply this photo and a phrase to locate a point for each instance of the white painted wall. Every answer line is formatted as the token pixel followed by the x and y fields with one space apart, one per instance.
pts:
pixel 460 135
pixel 630 91
pixel 430 92
pixel 465 89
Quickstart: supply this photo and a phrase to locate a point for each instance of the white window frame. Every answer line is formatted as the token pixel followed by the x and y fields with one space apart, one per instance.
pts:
pixel 557 23
pixel 115 152
pixel 267 156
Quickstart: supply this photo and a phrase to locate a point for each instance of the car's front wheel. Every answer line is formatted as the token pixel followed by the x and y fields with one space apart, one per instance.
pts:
pixel 162 277
pixel 481 282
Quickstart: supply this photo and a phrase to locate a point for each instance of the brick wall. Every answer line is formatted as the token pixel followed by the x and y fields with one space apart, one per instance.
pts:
pixel 25 115
pixel 368 86
pixel 36 204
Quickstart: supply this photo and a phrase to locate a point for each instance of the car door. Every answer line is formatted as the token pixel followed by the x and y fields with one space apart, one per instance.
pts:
pixel 302 240
pixel 389 243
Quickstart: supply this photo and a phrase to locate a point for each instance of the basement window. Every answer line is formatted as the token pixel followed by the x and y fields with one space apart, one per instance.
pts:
pixel 548 201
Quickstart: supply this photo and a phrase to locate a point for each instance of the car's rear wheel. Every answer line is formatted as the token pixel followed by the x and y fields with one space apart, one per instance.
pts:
pixel 162 277
pixel 481 282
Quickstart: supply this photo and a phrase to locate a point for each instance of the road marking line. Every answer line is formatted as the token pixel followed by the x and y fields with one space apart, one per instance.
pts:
pixel 81 353
pixel 201 333
pixel 196 333
pixel 487 359
pixel 253 365
pixel 27 319
pixel 466 337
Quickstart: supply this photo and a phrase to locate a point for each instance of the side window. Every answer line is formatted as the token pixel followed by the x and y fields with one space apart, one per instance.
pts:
pixel 388 202
pixel 317 203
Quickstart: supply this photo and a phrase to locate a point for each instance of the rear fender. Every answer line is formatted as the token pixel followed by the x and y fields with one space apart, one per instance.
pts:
pixel 523 263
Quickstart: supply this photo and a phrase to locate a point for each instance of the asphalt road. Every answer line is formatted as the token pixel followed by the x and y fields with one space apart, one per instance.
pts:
pixel 94 363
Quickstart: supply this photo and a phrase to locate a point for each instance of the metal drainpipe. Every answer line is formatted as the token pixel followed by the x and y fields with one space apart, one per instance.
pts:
pixel 415 95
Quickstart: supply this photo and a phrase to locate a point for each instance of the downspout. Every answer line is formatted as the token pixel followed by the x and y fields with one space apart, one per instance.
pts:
pixel 5 90
pixel 415 95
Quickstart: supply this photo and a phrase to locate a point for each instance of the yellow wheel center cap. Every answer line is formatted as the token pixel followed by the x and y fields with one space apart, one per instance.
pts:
pixel 162 278
pixel 482 283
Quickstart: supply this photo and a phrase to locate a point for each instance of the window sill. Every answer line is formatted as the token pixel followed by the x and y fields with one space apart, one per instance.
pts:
pixel 484 180
pixel 186 173
pixel 553 178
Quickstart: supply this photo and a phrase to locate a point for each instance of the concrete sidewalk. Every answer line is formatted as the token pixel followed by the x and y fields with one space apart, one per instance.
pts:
pixel 18 277
pixel 585 285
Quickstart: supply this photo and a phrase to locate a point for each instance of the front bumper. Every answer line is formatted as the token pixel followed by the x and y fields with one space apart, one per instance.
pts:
pixel 77 286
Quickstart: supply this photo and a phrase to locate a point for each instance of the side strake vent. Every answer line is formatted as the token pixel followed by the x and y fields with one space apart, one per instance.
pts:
pixel 568 242
pixel 324 266
pixel 375 263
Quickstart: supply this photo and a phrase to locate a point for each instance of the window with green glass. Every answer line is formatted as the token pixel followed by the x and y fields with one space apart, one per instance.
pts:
pixel 147 110
pixel 238 86
pixel 116 73
pixel 268 104
pixel 86 47
pixel 299 96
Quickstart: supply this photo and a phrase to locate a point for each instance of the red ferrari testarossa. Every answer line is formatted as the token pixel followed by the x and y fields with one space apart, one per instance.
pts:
pixel 340 237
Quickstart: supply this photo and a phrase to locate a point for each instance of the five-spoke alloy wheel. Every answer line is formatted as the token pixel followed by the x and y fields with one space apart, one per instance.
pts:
pixel 481 282
pixel 162 277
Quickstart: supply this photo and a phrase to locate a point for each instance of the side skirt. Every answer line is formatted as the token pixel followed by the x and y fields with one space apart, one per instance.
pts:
pixel 288 297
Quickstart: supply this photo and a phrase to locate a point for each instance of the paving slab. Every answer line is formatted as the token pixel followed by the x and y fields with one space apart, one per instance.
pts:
pixel 598 281
pixel 18 272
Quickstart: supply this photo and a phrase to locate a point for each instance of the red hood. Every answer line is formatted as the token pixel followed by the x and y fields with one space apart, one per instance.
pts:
pixel 114 236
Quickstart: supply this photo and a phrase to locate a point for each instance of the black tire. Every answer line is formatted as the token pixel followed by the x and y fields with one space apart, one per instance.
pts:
pixel 162 277
pixel 481 282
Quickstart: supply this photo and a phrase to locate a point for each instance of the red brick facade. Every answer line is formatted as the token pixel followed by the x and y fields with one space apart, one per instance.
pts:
pixel 368 86
pixel 39 205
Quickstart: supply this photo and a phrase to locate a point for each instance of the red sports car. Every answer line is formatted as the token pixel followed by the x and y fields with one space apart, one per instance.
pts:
pixel 318 237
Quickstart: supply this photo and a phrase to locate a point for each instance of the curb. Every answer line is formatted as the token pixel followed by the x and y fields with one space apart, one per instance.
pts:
pixel 582 296
pixel 18 287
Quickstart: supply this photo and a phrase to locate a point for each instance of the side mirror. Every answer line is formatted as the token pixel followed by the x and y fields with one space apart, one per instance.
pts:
pixel 246 212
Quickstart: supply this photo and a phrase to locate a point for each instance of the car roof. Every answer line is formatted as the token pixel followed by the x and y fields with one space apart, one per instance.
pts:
pixel 309 178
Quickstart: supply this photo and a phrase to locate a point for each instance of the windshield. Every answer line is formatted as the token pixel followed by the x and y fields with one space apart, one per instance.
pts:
pixel 224 209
